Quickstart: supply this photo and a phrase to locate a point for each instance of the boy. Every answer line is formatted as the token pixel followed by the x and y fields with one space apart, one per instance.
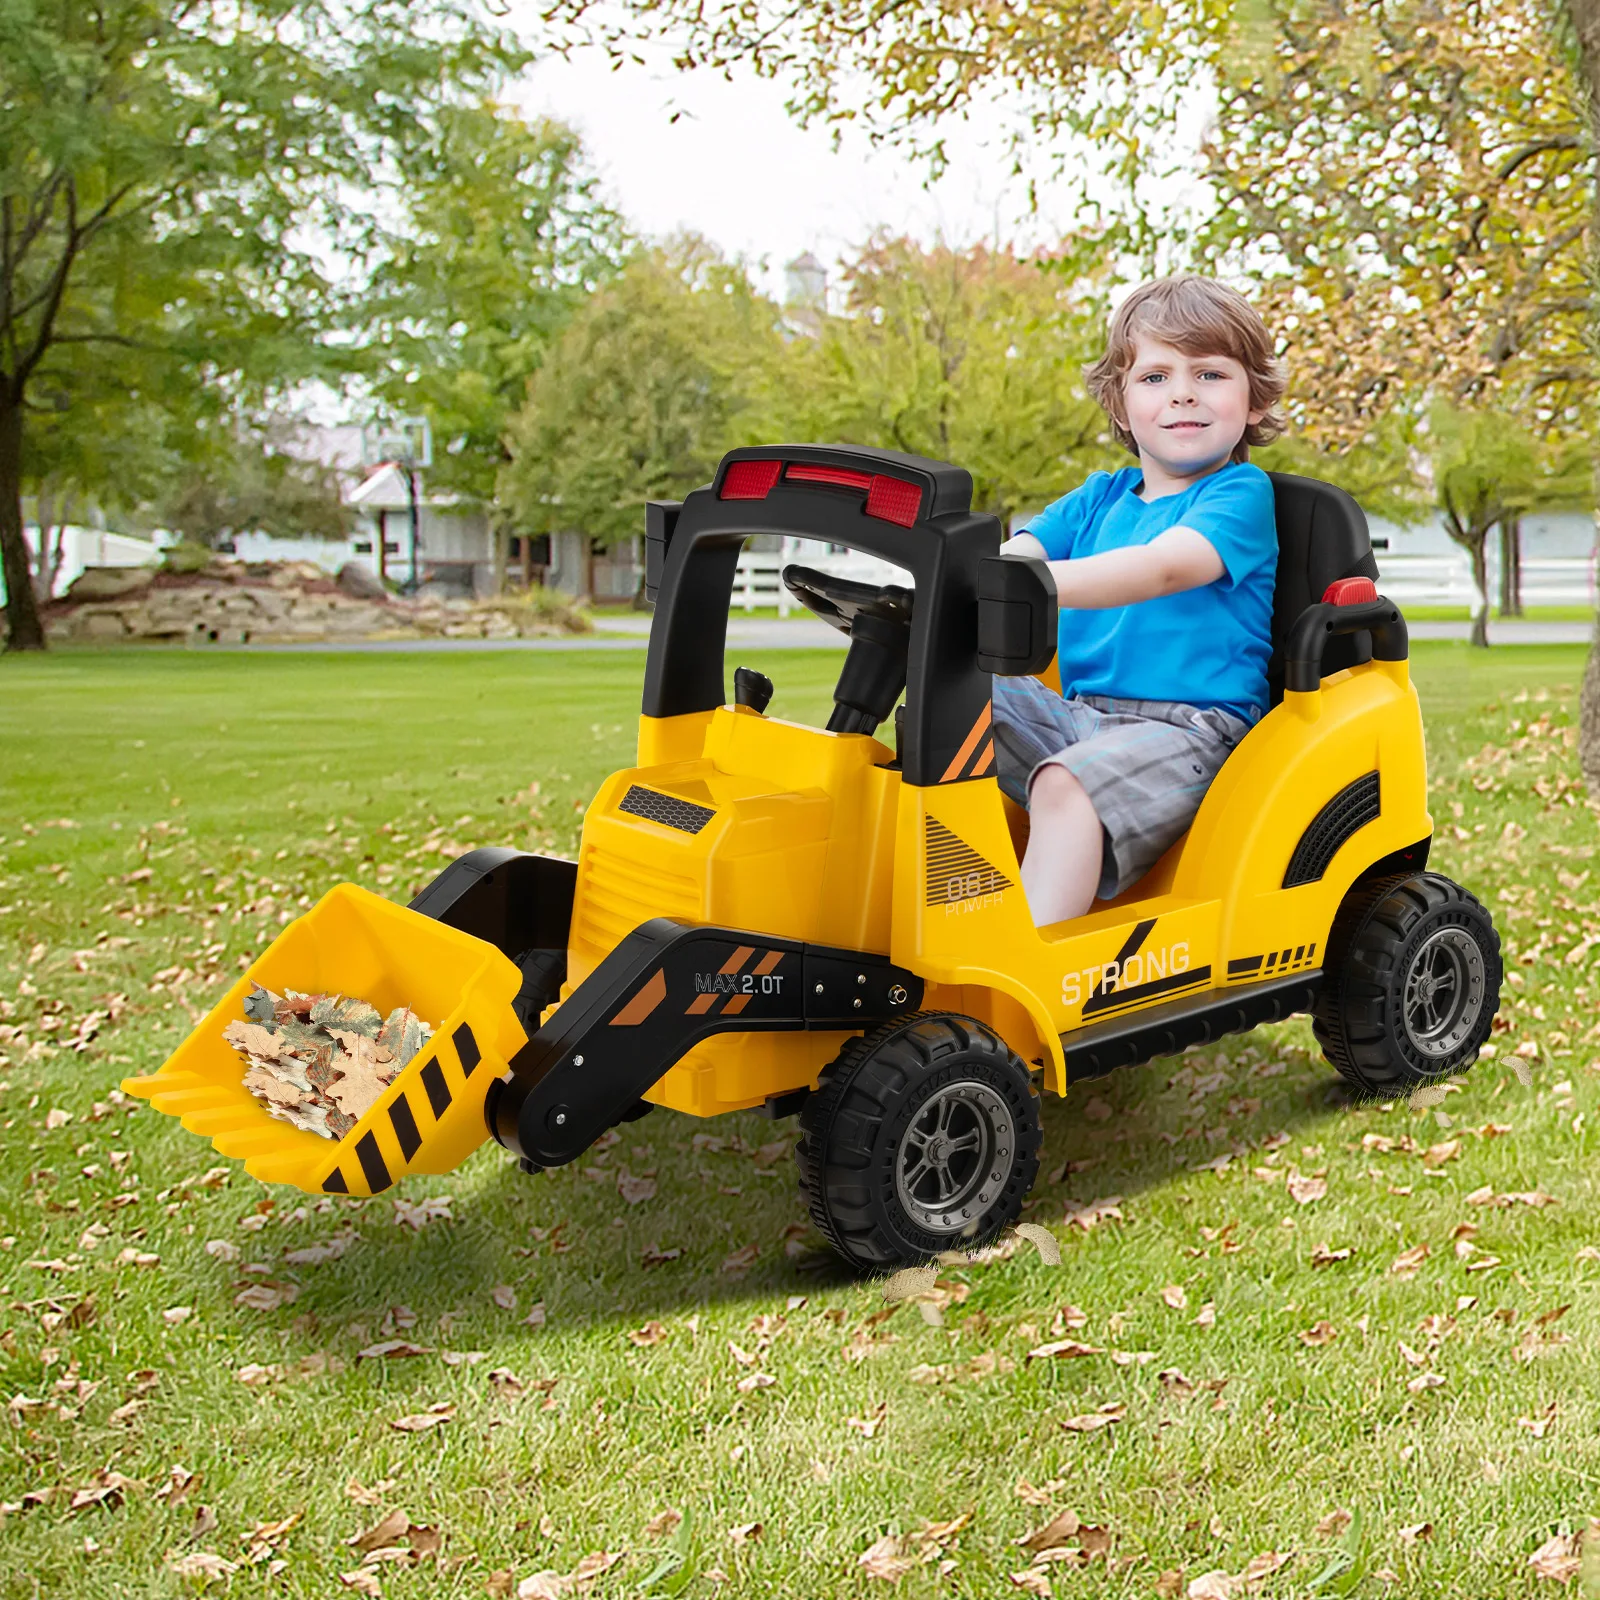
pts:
pixel 1165 575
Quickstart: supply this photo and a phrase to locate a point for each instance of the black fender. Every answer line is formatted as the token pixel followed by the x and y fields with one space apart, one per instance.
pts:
pixel 664 988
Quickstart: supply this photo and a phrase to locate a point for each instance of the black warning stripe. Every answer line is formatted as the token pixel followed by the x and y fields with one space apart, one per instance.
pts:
pixel 372 1163
pixel 1131 946
pixel 405 1127
pixel 336 1183
pixel 438 1089
pixel 1301 955
pixel 1109 1001
pixel 466 1049
pixel 1243 964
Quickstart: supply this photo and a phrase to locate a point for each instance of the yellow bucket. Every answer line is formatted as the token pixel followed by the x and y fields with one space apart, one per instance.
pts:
pixel 430 1119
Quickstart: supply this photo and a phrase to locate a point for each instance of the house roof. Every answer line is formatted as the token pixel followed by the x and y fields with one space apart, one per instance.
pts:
pixel 383 489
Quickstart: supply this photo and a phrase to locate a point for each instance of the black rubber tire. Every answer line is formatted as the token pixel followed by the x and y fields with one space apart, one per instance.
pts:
pixel 853 1126
pixel 1359 1014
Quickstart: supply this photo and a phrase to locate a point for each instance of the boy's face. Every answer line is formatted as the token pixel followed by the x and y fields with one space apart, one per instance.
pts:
pixel 1186 413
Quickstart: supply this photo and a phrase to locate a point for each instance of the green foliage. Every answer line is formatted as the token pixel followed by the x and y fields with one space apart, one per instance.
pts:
pixel 183 183
pixel 503 238
pixel 659 373
pixel 967 355
pixel 249 486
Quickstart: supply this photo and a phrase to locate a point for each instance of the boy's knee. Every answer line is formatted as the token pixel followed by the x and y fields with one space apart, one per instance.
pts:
pixel 1054 789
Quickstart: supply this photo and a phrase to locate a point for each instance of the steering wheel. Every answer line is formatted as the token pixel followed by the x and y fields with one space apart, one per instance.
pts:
pixel 877 617
pixel 841 600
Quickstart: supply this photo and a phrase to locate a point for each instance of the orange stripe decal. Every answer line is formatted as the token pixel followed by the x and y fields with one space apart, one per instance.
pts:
pixel 985 761
pixel 768 962
pixel 969 744
pixel 736 1005
pixel 737 959
pixel 643 1003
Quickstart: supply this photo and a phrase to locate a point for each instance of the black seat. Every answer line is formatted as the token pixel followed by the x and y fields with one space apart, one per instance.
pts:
pixel 1322 537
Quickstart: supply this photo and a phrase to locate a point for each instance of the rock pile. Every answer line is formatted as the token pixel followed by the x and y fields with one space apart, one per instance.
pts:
pixel 238 602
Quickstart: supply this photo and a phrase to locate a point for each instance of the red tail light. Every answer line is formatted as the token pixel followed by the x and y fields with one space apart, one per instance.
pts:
pixel 749 480
pixel 1349 592
pixel 888 499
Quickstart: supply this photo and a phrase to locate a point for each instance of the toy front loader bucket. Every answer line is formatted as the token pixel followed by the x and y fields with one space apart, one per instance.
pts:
pixel 430 1119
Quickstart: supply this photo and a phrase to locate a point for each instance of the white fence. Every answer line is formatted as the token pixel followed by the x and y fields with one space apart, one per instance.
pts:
pixel 1443 579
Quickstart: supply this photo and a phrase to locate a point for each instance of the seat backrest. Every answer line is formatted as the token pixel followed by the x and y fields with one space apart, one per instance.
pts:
pixel 1322 536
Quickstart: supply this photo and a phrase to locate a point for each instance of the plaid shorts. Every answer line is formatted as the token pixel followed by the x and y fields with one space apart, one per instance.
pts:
pixel 1146 764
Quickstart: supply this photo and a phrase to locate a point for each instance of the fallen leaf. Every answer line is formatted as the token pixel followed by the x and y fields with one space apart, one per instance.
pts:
pixel 266 1296
pixel 650 1334
pixel 1425 1381
pixel 1066 1348
pixel 887 1558
pixel 1103 1418
pixel 1057 1531
pixel 1175 1297
pixel 504 1296
pixel 634 1190
pixel 1305 1190
pixel 393 1349
pixel 1417 1532
pixel 909 1282
pixel 1043 1240
pixel 364 1581
pixel 663 1523
pixel 418 1214
pixel 389 1531
pixel 1332 1525
pixel 1096 1212
pixel 738 1262
pixel 1409 1262
pixel 745 1532
pixel 536 1316
pixel 1541 1424
pixel 1322 1256
pixel 1559 1557
pixel 201 1564
pixel 422 1421
pixel 1206 1316
pixel 1319 1333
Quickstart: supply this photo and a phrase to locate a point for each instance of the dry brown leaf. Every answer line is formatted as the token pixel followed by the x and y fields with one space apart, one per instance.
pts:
pixel 1043 1240
pixel 391 1530
pixel 909 1282
pixel 1175 1296
pixel 504 1296
pixel 1057 1531
pixel 1425 1381
pixel 1417 1532
pixel 651 1333
pixel 1541 1424
pixel 420 1422
pixel 364 1581
pixel 634 1190
pixel 266 1296
pixel 1332 1525
pixel 739 1261
pixel 1559 1557
pixel 1097 1211
pixel 887 1558
pixel 393 1350
pixel 361 1081
pixel 1064 1348
pixel 1319 1333
pixel 1206 1316
pixel 1322 1256
pixel 369 1497
pixel 745 1532
pixel 663 1523
pixel 1093 1421
pixel 1305 1190
pixel 1032 1580
pixel 868 1425
pixel 201 1564
pixel 1409 1262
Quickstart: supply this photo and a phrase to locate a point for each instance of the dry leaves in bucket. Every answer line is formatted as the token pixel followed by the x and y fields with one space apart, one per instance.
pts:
pixel 320 1061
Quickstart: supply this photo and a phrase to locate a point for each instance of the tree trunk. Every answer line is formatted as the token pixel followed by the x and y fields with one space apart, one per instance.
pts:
pixel 1480 576
pixel 1511 567
pixel 1585 17
pixel 22 609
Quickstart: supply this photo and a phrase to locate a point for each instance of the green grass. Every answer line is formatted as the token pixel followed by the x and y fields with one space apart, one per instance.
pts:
pixel 1529 614
pixel 211 797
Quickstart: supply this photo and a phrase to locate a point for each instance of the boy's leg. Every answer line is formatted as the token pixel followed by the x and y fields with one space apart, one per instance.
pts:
pixel 1062 865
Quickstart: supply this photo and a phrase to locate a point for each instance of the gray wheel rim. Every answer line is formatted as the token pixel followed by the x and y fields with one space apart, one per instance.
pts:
pixel 1444 992
pixel 955 1157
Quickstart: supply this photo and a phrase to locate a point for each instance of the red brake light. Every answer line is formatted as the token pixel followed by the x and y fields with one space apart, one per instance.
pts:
pixel 838 477
pixel 894 500
pixel 1349 592
pixel 749 480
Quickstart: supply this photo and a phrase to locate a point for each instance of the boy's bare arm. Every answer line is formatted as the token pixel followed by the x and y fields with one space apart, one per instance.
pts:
pixel 1173 561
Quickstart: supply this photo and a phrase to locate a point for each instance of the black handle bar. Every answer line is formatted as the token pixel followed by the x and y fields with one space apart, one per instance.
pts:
pixel 1317 624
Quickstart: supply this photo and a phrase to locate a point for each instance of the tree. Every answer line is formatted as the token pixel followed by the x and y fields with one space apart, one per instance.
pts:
pixel 247 483
pixel 504 239
pixel 177 179
pixel 1488 470
pixel 972 355
pixel 659 373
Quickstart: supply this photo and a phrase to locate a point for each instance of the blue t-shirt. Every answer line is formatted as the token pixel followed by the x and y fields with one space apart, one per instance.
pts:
pixel 1203 647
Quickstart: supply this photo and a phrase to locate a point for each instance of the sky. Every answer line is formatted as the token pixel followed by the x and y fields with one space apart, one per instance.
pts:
pixel 737 168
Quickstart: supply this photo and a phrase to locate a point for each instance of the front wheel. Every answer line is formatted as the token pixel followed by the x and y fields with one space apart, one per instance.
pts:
pixel 1411 984
pixel 923 1136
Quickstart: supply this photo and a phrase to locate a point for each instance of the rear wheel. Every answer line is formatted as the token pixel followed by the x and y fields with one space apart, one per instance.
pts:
pixel 1411 984
pixel 921 1137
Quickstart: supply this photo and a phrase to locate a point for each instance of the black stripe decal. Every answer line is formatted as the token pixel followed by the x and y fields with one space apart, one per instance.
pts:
pixel 1272 959
pixel 985 747
pixel 1243 964
pixel 466 1048
pixel 1117 999
pixel 372 1162
pixel 1283 960
pixel 1300 951
pixel 405 1127
pixel 1311 952
pixel 336 1183
pixel 438 1089
pixel 1135 940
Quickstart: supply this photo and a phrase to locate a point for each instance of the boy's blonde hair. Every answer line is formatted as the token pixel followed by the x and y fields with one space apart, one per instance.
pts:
pixel 1200 317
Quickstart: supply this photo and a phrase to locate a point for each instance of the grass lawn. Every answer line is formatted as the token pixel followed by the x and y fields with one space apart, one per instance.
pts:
pixel 180 1347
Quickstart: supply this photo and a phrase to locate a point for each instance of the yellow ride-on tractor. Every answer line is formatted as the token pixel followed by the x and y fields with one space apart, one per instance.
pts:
pixel 765 915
